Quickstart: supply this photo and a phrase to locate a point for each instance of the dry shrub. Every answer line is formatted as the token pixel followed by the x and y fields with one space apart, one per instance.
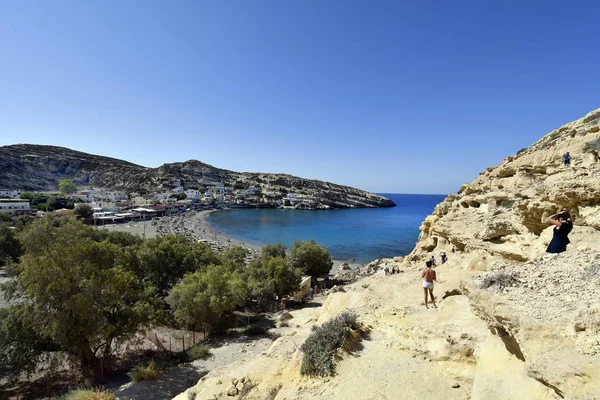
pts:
pixel 500 280
pixel 589 321
pixel 593 271
pixel 142 373
pixel 343 332
pixel 198 352
pixel 87 394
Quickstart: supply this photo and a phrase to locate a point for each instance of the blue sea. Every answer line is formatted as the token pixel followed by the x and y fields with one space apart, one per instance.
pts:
pixel 364 234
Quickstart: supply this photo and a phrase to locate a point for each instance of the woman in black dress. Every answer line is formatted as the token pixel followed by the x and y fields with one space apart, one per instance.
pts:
pixel 560 238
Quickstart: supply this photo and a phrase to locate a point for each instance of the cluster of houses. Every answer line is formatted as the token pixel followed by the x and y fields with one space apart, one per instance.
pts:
pixel 10 202
pixel 116 206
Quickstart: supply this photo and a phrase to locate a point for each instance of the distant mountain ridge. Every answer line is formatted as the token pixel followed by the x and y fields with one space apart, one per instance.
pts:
pixel 41 167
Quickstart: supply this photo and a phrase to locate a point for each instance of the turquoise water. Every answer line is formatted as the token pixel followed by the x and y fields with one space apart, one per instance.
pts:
pixel 364 234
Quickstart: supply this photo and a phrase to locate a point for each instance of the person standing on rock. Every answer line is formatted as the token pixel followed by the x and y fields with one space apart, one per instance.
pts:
pixel 563 226
pixel 429 277
pixel 567 159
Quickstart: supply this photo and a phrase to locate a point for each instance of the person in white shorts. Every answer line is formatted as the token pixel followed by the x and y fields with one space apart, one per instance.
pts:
pixel 429 277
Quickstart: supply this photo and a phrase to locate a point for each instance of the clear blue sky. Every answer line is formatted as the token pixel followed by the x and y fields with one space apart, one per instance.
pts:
pixel 388 96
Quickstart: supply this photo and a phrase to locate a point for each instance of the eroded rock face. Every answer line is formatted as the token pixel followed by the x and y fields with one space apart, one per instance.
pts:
pixel 504 211
pixel 36 167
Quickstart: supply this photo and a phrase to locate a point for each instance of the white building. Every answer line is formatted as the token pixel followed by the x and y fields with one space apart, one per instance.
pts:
pixel 10 193
pixel 192 194
pixel 14 206
pixel 251 191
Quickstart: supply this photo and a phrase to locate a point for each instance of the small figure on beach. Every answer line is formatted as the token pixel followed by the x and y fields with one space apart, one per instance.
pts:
pixel 429 277
pixel 386 270
pixel 432 261
pixel 567 159
pixel 443 257
pixel 560 235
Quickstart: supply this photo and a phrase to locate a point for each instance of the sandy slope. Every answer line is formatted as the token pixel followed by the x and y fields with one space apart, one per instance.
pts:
pixel 476 340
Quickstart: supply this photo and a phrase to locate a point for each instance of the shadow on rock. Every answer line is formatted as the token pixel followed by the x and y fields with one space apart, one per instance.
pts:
pixel 169 385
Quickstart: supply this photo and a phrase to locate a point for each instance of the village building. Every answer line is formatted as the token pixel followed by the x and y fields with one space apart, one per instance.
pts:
pixel 252 191
pixel 192 194
pixel 10 193
pixel 14 206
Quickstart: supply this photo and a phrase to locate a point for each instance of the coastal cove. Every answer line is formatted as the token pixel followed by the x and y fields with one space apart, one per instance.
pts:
pixel 363 234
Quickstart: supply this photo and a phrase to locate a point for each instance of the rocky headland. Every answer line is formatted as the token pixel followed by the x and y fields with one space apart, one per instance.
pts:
pixel 40 168
pixel 512 323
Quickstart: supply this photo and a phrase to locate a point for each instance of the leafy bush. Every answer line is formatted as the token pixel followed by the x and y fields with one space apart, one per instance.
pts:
pixel 142 373
pixel 198 352
pixel 85 394
pixel 342 332
pixel 500 280
pixel 594 129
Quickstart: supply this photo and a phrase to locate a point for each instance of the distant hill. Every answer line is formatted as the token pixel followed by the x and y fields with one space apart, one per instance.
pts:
pixel 38 167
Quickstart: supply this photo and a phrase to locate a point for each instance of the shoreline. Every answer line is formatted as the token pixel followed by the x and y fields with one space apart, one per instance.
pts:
pixel 192 224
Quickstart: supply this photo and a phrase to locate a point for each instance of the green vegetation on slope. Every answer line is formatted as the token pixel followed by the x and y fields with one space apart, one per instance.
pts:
pixel 80 291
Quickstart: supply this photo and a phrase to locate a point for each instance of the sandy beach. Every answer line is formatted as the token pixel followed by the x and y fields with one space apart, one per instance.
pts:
pixel 192 224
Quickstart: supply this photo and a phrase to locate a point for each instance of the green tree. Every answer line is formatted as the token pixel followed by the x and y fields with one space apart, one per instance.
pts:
pixel 22 348
pixel 234 257
pixel 204 296
pixel 78 295
pixel 56 202
pixel 271 278
pixel 274 250
pixel 35 199
pixel 163 261
pixel 10 248
pixel 65 186
pixel 84 211
pixel 311 258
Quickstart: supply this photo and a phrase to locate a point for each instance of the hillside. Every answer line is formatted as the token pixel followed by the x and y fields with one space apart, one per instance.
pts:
pixel 36 167
pixel 504 211
pixel 512 322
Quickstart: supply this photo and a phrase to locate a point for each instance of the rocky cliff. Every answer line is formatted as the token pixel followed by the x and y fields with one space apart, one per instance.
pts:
pixel 504 211
pixel 35 167
pixel 512 323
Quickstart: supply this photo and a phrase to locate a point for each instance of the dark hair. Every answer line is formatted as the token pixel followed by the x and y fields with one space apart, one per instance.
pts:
pixel 428 263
